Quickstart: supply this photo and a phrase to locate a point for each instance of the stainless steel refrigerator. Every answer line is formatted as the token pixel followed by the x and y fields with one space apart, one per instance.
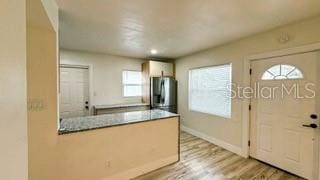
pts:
pixel 163 93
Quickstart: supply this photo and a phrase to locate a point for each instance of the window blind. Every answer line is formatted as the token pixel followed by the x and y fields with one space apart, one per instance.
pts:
pixel 132 83
pixel 210 90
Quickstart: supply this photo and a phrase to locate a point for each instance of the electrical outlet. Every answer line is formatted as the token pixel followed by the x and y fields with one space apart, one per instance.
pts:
pixel 108 164
pixel 152 150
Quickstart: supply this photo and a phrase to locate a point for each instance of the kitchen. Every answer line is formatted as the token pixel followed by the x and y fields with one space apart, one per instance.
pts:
pixel 104 98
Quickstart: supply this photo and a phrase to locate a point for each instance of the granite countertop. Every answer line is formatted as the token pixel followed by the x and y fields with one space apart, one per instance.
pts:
pixel 119 105
pixel 71 125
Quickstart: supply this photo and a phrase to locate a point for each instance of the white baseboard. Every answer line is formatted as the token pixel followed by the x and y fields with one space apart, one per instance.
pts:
pixel 223 144
pixel 138 171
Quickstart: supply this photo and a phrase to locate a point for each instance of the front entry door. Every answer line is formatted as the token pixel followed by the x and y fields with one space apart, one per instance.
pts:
pixel 285 100
pixel 74 92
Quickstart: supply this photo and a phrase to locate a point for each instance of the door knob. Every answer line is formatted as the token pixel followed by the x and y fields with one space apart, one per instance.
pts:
pixel 87 107
pixel 312 125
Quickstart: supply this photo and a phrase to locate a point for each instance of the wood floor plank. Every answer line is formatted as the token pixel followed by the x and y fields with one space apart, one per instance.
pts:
pixel 201 160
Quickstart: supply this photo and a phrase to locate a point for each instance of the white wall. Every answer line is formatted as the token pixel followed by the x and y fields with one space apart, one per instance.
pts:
pixel 106 74
pixel 13 91
pixel 228 132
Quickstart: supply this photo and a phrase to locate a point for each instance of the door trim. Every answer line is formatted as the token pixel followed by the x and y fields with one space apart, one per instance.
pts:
pixel 90 73
pixel 247 82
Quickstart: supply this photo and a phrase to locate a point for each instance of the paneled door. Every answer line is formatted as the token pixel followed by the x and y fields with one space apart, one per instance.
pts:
pixel 283 118
pixel 74 92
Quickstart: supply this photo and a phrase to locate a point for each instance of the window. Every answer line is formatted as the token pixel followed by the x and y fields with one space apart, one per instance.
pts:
pixel 132 85
pixel 210 90
pixel 282 71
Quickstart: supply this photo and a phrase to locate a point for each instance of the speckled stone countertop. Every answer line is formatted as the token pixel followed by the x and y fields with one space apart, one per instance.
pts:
pixel 78 124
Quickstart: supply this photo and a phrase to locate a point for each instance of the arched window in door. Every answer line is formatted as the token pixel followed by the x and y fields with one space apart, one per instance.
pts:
pixel 282 71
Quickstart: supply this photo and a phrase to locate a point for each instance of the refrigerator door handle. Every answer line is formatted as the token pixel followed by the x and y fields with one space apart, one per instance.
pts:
pixel 162 92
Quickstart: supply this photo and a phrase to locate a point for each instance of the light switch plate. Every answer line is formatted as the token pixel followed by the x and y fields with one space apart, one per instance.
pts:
pixel 35 104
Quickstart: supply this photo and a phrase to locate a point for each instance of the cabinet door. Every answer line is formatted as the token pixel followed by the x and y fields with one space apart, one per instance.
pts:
pixel 167 69
pixel 157 67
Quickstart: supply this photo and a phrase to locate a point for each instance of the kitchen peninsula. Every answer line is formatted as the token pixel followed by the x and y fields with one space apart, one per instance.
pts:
pixel 118 146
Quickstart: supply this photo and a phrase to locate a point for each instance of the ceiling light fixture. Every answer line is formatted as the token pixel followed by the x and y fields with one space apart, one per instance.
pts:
pixel 153 51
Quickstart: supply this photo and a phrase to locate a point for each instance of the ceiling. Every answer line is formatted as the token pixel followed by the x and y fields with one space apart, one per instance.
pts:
pixel 173 27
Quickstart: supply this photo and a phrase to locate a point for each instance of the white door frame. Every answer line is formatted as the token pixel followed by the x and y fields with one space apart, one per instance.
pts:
pixel 89 67
pixel 246 83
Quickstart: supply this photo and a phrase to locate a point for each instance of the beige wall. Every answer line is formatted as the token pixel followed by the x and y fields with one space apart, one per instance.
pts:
pixel 106 74
pixel 13 91
pixel 42 87
pixel 229 131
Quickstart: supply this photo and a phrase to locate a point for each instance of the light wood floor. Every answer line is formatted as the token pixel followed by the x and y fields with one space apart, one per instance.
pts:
pixel 201 160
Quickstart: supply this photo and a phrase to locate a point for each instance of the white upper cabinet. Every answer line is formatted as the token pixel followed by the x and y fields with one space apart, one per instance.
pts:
pixel 156 68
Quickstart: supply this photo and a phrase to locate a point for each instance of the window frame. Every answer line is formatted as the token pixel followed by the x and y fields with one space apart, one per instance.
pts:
pixel 123 84
pixel 189 90
pixel 285 79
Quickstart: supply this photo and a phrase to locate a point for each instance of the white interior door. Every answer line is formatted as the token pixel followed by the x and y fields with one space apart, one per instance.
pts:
pixel 74 92
pixel 277 134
